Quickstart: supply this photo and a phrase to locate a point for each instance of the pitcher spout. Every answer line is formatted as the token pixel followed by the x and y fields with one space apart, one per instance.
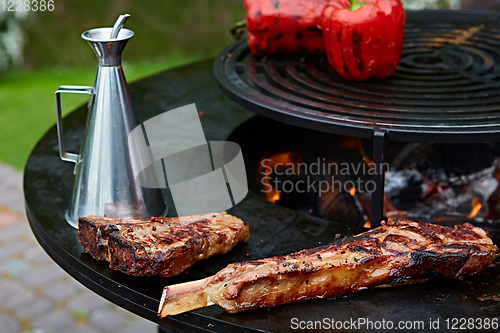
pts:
pixel 108 50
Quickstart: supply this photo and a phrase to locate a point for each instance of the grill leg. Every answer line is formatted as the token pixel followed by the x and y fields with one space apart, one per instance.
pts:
pixel 377 197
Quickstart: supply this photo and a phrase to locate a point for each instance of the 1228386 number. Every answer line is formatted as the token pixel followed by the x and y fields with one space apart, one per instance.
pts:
pixel 472 323
pixel 27 5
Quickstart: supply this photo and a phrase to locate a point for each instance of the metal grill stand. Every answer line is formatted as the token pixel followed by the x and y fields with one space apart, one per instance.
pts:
pixel 446 88
pixel 377 197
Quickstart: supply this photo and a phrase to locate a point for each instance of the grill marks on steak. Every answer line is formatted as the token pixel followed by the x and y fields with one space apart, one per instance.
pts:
pixel 93 233
pixel 161 247
pixel 394 254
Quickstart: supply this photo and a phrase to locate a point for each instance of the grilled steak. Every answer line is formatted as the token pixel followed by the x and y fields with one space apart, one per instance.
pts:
pixel 93 232
pixel 393 254
pixel 160 246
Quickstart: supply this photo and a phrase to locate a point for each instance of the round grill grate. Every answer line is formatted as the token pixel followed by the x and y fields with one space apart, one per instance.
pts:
pixel 445 89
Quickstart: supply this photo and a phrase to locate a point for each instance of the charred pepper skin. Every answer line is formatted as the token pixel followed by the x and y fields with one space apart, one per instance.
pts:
pixel 284 26
pixel 365 40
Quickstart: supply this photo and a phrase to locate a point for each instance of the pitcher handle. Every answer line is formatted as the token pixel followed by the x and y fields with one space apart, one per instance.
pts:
pixel 65 156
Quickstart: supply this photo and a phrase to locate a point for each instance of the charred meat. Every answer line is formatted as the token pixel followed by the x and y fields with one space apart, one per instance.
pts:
pixel 393 254
pixel 160 246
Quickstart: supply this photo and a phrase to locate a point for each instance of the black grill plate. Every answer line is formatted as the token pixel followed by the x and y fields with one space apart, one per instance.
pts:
pixel 445 89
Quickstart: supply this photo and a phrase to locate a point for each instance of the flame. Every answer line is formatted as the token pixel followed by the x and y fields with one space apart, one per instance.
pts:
pixel 349 143
pixel 367 160
pixel 353 191
pixel 367 225
pixel 273 196
pixel 476 207
pixel 284 158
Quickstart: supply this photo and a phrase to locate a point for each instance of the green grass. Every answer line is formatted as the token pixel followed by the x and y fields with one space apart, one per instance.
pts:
pixel 27 107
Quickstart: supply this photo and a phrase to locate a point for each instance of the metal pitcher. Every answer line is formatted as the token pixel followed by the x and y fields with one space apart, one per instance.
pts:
pixel 104 179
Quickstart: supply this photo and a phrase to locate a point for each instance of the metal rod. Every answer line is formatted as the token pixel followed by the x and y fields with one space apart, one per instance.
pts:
pixel 119 25
pixel 377 198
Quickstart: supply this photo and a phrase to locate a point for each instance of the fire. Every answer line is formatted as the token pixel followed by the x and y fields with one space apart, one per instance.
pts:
pixel 273 197
pixel 281 159
pixel 476 207
pixel 367 160
pixel 367 225
pixel 353 191
pixel 349 143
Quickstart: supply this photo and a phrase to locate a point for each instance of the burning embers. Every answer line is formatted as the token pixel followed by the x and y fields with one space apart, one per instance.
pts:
pixel 281 163
pixel 439 201
pixel 444 183
pixel 284 176
pixel 436 183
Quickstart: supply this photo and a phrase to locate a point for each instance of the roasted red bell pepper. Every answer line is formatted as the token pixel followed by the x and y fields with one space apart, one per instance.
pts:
pixel 285 26
pixel 364 39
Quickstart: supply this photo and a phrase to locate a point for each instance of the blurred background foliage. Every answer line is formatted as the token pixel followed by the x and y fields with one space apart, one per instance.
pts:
pixel 39 51
pixel 163 29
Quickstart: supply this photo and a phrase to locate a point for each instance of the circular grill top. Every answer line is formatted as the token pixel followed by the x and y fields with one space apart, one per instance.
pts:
pixel 445 89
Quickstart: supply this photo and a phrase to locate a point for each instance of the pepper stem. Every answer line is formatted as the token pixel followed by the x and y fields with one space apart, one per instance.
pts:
pixel 355 5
